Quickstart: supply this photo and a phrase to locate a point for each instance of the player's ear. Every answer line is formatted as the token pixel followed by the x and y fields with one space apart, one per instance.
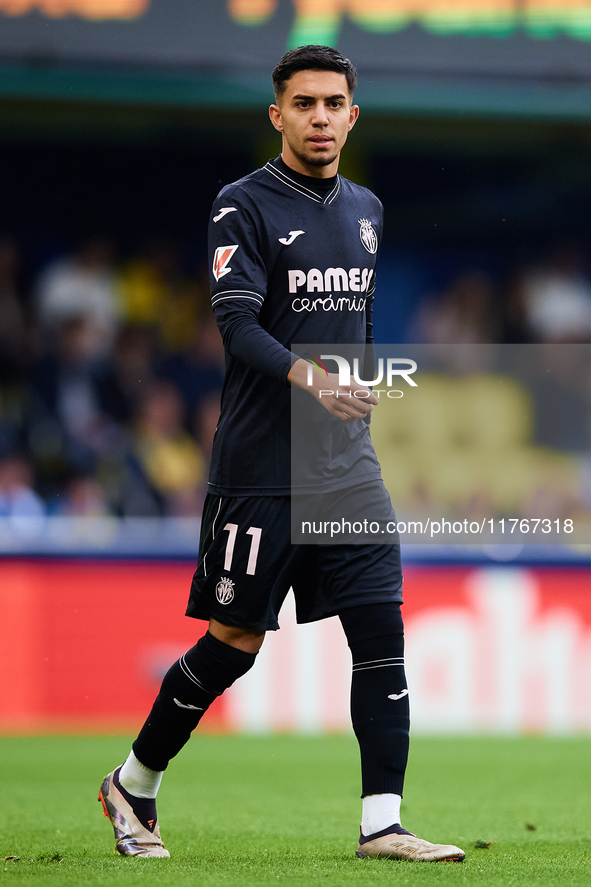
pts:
pixel 275 117
pixel 353 115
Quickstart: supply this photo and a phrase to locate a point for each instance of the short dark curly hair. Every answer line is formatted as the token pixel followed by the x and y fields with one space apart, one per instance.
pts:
pixel 312 58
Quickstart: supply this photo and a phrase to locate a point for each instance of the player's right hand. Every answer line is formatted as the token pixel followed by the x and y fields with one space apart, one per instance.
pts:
pixel 346 402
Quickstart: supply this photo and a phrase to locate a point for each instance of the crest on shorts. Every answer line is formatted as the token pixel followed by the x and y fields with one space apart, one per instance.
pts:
pixel 368 236
pixel 224 590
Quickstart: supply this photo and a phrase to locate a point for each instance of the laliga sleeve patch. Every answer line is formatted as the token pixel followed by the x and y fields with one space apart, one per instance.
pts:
pixel 222 256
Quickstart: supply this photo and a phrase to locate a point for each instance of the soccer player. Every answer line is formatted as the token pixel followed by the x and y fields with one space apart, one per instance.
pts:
pixel 282 241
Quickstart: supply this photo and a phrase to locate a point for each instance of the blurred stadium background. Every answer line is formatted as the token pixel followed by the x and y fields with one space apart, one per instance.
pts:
pixel 119 122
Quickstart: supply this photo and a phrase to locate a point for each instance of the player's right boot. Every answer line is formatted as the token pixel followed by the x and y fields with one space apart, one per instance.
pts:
pixel 396 843
pixel 136 827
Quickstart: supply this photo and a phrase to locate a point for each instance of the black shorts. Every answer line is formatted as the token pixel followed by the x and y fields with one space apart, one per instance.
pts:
pixel 247 564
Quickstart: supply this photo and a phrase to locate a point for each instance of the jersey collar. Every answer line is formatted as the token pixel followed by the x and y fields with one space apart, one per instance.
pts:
pixel 298 182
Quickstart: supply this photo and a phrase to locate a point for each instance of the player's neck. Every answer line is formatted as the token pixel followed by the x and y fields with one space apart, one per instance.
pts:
pixel 305 169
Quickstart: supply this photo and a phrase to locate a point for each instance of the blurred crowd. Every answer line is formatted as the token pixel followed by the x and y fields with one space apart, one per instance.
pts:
pixel 548 300
pixel 111 370
pixel 110 384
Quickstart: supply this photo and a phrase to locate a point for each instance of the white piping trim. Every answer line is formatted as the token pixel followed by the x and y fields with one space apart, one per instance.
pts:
pixel 295 185
pixel 251 292
pixel 215 300
pixel 280 174
pixel 301 189
pixel 368 667
pixel 215 518
pixel 187 671
pixel 334 191
pixel 212 536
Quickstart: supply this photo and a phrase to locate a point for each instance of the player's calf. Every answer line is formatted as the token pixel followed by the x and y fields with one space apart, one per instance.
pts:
pixel 128 794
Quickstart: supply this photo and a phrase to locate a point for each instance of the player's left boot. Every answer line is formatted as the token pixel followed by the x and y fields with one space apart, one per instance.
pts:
pixel 136 827
pixel 396 843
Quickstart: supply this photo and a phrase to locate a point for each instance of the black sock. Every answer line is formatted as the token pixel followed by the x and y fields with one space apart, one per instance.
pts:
pixel 379 695
pixel 188 689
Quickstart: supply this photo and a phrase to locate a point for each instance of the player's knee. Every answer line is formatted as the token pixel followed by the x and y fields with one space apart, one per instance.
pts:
pixel 368 624
pixel 246 639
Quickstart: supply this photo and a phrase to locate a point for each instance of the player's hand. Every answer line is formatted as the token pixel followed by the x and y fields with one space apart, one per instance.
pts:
pixel 345 402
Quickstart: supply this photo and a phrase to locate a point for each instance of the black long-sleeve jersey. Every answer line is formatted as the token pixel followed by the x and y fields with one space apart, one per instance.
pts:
pixel 290 262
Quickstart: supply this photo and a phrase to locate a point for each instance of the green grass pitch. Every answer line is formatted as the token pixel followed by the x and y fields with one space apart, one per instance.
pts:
pixel 238 810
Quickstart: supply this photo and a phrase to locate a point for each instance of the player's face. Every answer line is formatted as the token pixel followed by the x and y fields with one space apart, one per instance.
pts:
pixel 314 115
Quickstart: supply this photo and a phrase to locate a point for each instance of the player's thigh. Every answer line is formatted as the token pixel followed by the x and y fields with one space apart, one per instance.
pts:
pixel 245 561
pixel 355 575
pixel 363 568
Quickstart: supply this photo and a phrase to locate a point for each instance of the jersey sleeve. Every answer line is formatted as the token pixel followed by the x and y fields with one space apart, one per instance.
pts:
pixel 238 285
pixel 236 267
pixel 245 339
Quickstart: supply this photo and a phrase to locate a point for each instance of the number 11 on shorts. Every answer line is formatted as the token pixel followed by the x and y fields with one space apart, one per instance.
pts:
pixel 255 542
